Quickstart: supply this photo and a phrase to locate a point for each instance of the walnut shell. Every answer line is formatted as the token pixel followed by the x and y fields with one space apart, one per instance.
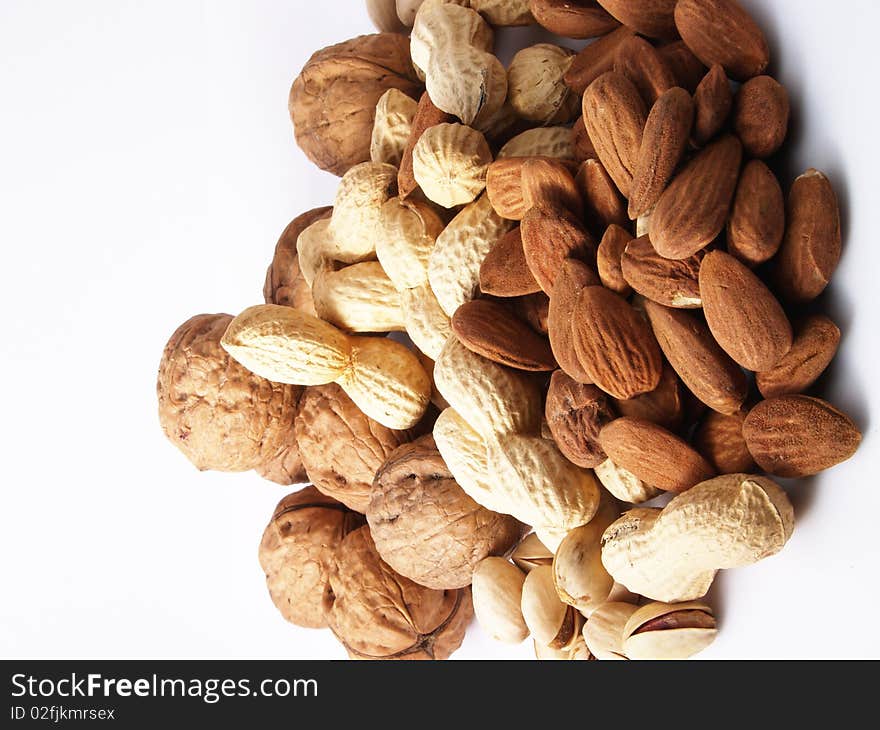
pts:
pixel 425 526
pixel 284 280
pixel 378 614
pixel 296 549
pixel 221 415
pixel 342 448
pixel 333 100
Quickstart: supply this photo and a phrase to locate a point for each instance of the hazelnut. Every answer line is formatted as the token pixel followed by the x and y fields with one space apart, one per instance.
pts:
pixel 297 546
pixel 424 524
pixel 378 614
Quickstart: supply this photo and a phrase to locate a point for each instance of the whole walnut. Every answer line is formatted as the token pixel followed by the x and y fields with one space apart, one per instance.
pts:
pixel 221 415
pixel 425 526
pixel 296 549
pixel 341 448
pixel 285 283
pixel 378 614
pixel 333 100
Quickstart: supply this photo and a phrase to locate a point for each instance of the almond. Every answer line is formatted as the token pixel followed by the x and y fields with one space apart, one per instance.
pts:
pixel 719 439
pixel 760 115
pixel 654 455
pixel 572 278
pixel 580 140
pixel 813 348
pixel 549 181
pixel 652 18
pixel 549 236
pixel 693 209
pixel 664 405
pixel 615 116
pixel 685 66
pixel 603 204
pixel 796 436
pixel 575 414
pixel 713 101
pixel 534 309
pixel 608 257
pixel 595 59
pixel 427 116
pixel 721 31
pixel 614 345
pixel 573 18
pixel 705 368
pixel 743 316
pixel 757 217
pixel 663 144
pixel 671 282
pixel 640 62
pixel 504 272
pixel 811 246
pixel 491 330
pixel 504 184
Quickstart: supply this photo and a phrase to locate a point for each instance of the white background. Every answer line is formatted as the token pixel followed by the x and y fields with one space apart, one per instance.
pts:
pixel 147 166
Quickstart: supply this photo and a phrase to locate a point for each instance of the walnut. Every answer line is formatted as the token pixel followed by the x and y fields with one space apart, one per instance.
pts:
pixel 425 526
pixel 342 448
pixel 296 549
pixel 220 415
pixel 333 100
pixel 285 283
pixel 378 614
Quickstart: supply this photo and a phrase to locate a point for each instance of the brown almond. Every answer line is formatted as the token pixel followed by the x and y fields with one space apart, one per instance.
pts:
pixel 550 235
pixel 743 316
pixel 546 181
pixel 640 62
pixel 611 248
pixel 719 439
pixel 713 101
pixel 490 329
pixel 595 59
pixel 572 278
pixel 757 216
pixel 708 372
pixel 615 116
pixel 664 405
pixel 504 272
pixel 796 436
pixel 685 66
pixel 670 282
pixel 603 204
pixel 534 309
pixel 663 144
pixel 652 18
pixel 693 209
pixel 580 140
pixel 504 184
pixel 653 454
pixel 812 350
pixel 573 18
pixel 575 414
pixel 721 31
pixel 760 115
pixel 614 344
pixel 427 116
pixel 811 245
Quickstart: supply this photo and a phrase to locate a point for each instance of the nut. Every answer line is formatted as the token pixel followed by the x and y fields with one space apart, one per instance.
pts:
pixel 504 272
pixel 392 127
pixel 504 12
pixel 341 447
pixel 760 115
pixel 497 595
pixel 333 100
pixel 685 66
pixel 535 85
pixel 642 64
pixel 653 18
pixel 671 282
pixel 220 415
pixel 383 13
pixel 551 622
pixel 425 526
pixel 530 553
pixel 603 632
pixel 623 484
pixel 669 631
pixel 378 614
pixel 608 259
pixel 575 413
pixel 603 204
pixel 757 218
pixel 720 440
pixel 427 116
pixel 358 298
pixel 713 101
pixel 296 549
pixel 382 377
pixel 573 277
pixel 673 554
pixel 578 19
pixel 450 163
pixel 595 59
pixel 543 141
pixel 665 405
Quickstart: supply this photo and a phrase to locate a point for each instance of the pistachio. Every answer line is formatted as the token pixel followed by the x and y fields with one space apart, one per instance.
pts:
pixel 669 630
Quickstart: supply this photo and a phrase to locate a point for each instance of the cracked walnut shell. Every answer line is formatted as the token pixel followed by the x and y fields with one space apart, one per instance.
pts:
pixel 295 551
pixel 425 526
pixel 378 614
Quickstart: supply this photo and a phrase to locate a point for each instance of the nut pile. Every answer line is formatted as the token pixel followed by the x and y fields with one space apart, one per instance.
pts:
pixel 606 299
